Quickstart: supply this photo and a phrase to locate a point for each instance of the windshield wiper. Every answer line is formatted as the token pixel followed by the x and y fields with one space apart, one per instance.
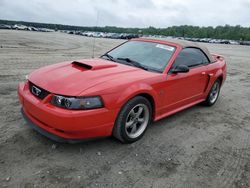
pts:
pixel 132 62
pixel 110 57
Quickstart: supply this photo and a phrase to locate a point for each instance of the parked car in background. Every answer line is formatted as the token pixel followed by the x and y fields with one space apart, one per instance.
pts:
pixel 3 26
pixel 20 27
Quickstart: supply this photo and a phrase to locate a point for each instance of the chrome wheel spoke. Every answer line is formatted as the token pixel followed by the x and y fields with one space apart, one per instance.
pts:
pixel 140 120
pixel 132 113
pixel 129 124
pixel 134 129
pixel 140 110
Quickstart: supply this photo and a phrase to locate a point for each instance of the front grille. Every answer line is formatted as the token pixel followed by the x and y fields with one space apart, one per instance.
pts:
pixel 37 91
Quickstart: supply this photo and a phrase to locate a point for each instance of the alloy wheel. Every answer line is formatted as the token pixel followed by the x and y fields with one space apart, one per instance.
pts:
pixel 214 93
pixel 137 120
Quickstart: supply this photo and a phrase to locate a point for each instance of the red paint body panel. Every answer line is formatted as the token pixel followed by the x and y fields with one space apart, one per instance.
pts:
pixel 116 84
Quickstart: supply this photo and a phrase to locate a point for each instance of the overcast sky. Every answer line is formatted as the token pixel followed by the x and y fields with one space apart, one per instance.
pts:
pixel 129 13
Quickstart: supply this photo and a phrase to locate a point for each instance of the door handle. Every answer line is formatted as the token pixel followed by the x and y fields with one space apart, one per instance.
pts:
pixel 203 73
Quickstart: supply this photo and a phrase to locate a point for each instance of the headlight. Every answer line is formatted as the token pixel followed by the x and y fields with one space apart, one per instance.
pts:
pixel 77 103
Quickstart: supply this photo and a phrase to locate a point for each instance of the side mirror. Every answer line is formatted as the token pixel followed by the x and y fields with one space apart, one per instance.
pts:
pixel 180 69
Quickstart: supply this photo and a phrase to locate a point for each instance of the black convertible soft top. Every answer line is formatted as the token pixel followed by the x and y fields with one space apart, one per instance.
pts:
pixel 186 44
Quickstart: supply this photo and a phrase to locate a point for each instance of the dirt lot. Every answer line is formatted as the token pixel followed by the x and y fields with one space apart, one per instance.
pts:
pixel 199 147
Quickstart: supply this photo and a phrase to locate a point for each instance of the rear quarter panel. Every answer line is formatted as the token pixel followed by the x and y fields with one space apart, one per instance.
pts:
pixel 216 70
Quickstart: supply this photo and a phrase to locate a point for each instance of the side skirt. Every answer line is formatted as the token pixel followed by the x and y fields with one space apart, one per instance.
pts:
pixel 178 109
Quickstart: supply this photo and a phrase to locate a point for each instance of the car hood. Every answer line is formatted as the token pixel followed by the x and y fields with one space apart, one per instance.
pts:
pixel 72 78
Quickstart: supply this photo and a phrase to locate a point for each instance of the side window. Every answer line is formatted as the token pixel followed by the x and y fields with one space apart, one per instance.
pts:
pixel 191 57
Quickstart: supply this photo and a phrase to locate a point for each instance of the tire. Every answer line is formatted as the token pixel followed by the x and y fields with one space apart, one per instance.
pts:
pixel 133 120
pixel 213 94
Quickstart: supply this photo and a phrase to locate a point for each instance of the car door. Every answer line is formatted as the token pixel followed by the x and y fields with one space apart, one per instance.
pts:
pixel 185 88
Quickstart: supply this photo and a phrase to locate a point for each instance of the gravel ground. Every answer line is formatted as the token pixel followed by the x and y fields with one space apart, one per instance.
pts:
pixel 198 147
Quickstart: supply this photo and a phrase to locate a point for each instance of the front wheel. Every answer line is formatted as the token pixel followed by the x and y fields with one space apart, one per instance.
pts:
pixel 133 120
pixel 213 94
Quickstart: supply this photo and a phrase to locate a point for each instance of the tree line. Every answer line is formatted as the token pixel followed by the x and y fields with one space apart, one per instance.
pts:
pixel 220 32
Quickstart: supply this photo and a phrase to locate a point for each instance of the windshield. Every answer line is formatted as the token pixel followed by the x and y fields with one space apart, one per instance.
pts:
pixel 150 55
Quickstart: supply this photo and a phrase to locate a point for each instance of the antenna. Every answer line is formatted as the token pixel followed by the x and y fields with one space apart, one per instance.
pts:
pixel 93 47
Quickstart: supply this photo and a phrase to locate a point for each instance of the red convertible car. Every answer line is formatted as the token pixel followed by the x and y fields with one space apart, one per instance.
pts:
pixel 120 93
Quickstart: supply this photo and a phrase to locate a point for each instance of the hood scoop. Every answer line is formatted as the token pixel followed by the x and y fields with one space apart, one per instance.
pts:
pixel 79 64
pixel 92 65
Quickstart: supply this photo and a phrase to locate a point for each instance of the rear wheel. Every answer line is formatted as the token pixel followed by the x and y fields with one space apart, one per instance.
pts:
pixel 213 94
pixel 133 120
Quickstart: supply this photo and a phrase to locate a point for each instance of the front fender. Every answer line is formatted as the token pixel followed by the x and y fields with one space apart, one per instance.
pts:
pixel 134 90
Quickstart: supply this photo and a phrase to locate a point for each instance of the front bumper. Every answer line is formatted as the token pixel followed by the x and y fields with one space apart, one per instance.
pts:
pixel 64 125
pixel 48 134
